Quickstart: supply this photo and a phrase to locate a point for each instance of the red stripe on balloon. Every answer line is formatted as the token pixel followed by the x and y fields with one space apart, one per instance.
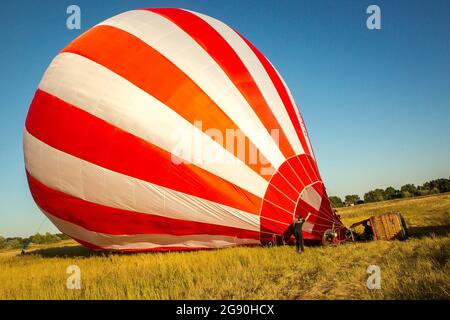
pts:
pixel 299 171
pixel 275 196
pixel 108 220
pixel 282 184
pixel 225 56
pixel 282 91
pixel 290 176
pixel 78 133
pixel 145 67
pixel 156 249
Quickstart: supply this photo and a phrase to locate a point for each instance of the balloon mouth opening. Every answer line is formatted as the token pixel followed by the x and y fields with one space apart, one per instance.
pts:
pixel 296 190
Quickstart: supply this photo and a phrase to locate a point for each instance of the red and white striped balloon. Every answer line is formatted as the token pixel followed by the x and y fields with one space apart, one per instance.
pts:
pixel 98 139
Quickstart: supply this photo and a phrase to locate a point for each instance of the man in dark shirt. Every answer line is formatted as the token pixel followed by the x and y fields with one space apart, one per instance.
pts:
pixel 298 233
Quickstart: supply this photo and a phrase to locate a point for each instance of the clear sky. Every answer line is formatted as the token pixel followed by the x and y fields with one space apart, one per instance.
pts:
pixel 376 102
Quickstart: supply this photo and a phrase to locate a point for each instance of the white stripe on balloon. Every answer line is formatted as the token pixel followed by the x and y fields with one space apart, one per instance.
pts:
pixel 84 180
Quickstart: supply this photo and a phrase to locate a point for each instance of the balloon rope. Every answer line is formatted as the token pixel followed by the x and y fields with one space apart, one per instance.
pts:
pixel 288 182
pixel 304 169
pixel 277 206
pixel 325 214
pixel 295 173
pixel 42 223
pixel 38 229
pixel 331 218
pixel 282 192
pixel 313 231
pixel 333 221
pixel 288 224
pixel 328 216
pixel 324 217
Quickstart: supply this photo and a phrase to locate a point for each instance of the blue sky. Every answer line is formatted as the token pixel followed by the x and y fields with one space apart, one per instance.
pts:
pixel 376 103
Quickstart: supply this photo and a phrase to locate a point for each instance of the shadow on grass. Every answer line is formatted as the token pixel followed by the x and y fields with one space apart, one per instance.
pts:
pixel 67 252
pixel 84 252
pixel 420 232
pixel 80 251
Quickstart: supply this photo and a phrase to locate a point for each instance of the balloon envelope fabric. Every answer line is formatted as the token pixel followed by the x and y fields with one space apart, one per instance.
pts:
pixel 165 129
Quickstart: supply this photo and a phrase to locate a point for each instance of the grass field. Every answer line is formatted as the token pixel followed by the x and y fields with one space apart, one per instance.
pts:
pixel 418 268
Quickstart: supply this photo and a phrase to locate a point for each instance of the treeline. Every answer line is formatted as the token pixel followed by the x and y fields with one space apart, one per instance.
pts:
pixel 18 242
pixel 406 191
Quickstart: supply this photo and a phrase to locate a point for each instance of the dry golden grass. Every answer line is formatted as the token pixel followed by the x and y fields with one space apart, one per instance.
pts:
pixel 414 269
pixel 418 212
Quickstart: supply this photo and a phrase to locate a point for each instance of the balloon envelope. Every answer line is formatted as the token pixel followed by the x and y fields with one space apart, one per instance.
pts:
pixel 165 129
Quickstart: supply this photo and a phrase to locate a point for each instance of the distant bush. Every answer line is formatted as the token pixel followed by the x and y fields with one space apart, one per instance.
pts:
pixel 408 190
pixel 424 192
pixel 336 202
pixel 391 193
pixel 434 191
pixel 443 185
pixel 406 194
pixel 62 236
pixel 18 242
pixel 351 199
pixel 14 243
pixel 374 195
pixel 45 238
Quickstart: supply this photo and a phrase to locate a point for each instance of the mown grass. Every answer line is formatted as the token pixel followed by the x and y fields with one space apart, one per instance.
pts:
pixel 414 269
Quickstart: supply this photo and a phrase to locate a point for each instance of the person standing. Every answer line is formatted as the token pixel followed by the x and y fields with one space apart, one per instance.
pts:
pixel 298 232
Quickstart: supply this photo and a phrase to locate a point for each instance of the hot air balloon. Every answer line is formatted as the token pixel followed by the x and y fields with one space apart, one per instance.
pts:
pixel 107 139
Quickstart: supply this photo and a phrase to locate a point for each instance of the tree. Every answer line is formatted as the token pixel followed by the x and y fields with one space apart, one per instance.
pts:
pixel 443 185
pixel 336 202
pixel 434 190
pixel 391 193
pixel 62 236
pixel 37 238
pixel 351 199
pixel 406 194
pixel 408 188
pixel 422 191
pixel 374 195
pixel 2 242
pixel 44 238
pixel 14 243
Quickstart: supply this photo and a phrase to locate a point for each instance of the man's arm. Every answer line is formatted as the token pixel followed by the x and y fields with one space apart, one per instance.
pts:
pixel 307 217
